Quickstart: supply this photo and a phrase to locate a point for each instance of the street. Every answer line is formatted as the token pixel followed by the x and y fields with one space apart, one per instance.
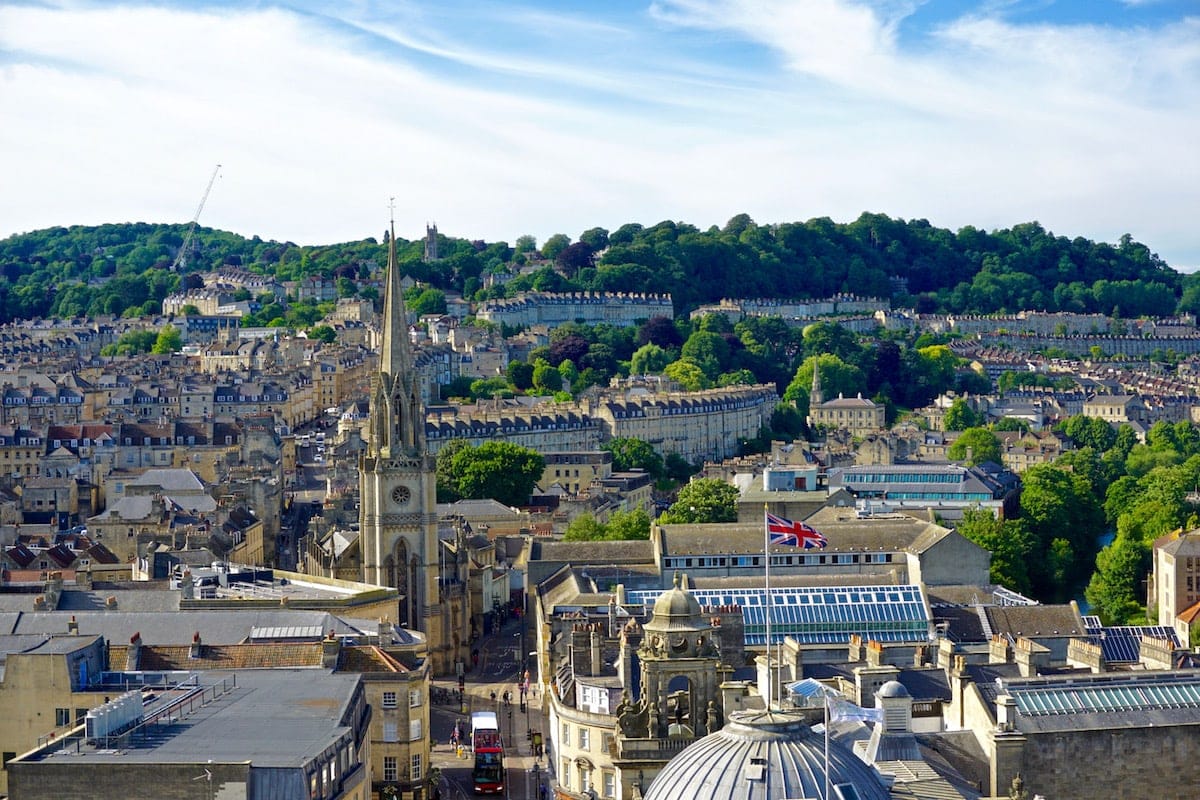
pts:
pixel 498 672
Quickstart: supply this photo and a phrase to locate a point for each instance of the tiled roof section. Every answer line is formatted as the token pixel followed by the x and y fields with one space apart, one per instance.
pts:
pixel 641 551
pixel 21 554
pixel 1186 545
pixel 1057 620
pixel 102 555
pixel 368 658
pixel 62 555
pixel 1190 614
pixel 222 656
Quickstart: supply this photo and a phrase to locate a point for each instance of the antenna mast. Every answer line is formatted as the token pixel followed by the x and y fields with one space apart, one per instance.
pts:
pixel 181 258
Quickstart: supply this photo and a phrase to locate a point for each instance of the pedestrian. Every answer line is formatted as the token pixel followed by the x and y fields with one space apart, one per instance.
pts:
pixel 493 695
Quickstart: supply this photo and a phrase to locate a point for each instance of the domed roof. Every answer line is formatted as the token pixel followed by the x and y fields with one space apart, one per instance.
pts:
pixel 677 611
pixel 764 754
pixel 676 602
pixel 892 689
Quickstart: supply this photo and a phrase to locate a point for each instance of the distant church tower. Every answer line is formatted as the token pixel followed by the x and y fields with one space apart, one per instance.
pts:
pixel 397 485
pixel 431 242
pixel 815 397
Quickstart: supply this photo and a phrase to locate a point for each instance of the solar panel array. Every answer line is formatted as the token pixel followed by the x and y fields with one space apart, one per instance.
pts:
pixel 1123 643
pixel 1106 697
pixel 813 615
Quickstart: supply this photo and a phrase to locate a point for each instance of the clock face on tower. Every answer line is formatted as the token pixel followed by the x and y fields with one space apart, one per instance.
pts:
pixel 401 494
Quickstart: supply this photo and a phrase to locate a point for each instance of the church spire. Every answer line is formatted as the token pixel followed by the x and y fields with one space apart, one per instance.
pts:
pixel 397 410
pixel 395 356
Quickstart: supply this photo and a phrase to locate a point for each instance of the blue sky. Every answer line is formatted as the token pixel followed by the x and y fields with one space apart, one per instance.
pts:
pixel 506 118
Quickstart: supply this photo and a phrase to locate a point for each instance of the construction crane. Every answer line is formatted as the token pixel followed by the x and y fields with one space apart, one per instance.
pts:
pixel 181 258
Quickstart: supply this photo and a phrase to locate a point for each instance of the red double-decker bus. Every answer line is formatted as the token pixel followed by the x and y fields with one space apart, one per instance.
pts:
pixel 487 776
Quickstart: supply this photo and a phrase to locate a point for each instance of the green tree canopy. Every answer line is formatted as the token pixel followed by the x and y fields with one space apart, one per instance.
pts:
pixel 975 446
pixel 1115 591
pixel 168 340
pixel 1009 543
pixel 960 416
pixel 649 359
pixel 500 471
pixel 703 500
pixel 634 454
pixel 322 332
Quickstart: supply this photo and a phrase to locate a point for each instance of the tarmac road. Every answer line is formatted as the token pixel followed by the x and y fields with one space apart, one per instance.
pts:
pixel 497 672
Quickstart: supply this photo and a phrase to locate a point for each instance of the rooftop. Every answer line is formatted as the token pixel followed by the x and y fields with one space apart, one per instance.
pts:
pixel 276 718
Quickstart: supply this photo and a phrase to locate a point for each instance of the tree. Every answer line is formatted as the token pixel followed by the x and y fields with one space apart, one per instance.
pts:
pixel 1115 590
pixel 649 359
pixel 525 243
pixel 1090 432
pixel 975 446
pixel 426 301
pixel 595 238
pixel 703 500
pixel 546 378
pixel 575 257
pixel 569 348
pixel 447 472
pixel 707 350
pixel 1057 503
pixel 585 528
pixel 1009 543
pixel 678 468
pixel 488 388
pixel 520 375
pixel 324 333
pixel 634 454
pixel 501 471
pixel 167 341
pixel 629 525
pixel 960 416
pixel 660 331
pixel 837 378
pixel 555 245
pixel 688 374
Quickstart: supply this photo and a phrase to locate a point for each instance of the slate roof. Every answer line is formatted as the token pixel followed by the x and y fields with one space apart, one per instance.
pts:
pixel 1036 621
pixel 270 655
pixel 638 552
pixel 169 627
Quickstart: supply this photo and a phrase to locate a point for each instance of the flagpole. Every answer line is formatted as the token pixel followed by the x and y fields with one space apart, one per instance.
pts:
pixel 772 677
pixel 826 696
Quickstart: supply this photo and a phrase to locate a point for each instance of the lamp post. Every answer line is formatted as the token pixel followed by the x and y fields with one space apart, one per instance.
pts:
pixel 533 788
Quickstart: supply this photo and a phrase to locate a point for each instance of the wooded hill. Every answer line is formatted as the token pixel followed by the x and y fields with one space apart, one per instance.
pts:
pixel 125 268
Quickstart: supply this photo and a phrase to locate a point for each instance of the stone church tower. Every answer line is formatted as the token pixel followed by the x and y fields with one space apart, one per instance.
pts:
pixel 398 494
pixel 815 396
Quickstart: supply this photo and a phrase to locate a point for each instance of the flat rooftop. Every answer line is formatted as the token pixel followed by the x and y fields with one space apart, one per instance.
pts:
pixel 271 718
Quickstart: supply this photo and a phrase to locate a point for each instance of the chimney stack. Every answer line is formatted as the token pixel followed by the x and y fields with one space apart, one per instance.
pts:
pixel 187 586
pixel 331 648
pixel 197 647
pixel 73 626
pixel 133 659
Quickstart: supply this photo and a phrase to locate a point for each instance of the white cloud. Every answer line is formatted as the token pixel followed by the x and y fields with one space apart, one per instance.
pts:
pixel 120 114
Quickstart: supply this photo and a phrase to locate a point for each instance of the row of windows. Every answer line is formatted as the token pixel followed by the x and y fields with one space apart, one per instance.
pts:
pixel 902 477
pixel 778 560
pixel 585 738
pixel 391 768
pixel 391 730
pixel 584 781
pixel 414 699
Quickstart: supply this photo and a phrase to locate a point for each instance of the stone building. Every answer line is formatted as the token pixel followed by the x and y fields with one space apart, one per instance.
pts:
pixel 397 490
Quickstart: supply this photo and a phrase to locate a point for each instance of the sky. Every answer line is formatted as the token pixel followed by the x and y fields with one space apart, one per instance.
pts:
pixel 498 119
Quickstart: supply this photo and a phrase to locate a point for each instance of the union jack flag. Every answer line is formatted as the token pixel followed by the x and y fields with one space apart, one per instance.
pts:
pixel 794 534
